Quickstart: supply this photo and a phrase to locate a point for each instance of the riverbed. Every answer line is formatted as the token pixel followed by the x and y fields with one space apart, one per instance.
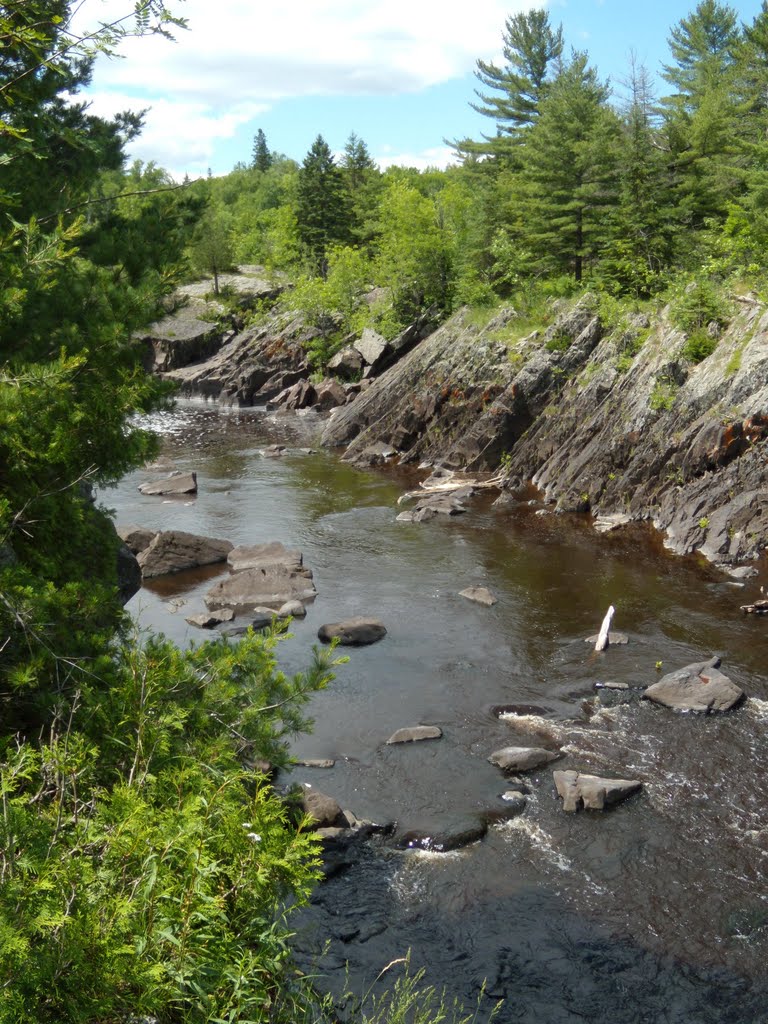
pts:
pixel 656 910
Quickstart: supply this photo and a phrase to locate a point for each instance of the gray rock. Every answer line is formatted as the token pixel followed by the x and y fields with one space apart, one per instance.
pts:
pixel 371 346
pixel 271 587
pixel 292 610
pixel 209 620
pixel 265 556
pixel 330 395
pixel 324 811
pixel 592 792
pixel 454 837
pixel 515 799
pixel 480 595
pixel 415 733
pixel 274 451
pixel 522 759
pixel 176 483
pixel 697 687
pixel 348 363
pixel 355 632
pixel 604 524
pixel 610 684
pixel 316 762
pixel 741 572
pixel 136 538
pixel 175 550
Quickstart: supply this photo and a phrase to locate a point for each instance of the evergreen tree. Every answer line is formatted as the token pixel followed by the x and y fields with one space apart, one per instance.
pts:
pixel 568 173
pixel 532 49
pixel 700 117
pixel 363 182
pixel 262 158
pixel 322 205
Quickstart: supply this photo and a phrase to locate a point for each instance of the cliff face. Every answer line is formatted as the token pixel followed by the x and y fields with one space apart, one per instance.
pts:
pixel 651 436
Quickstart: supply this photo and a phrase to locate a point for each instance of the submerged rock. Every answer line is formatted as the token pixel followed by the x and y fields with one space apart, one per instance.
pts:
pixel 614 639
pixel 209 620
pixel 697 687
pixel 453 837
pixel 591 791
pixel 265 556
pixel 522 759
pixel 480 595
pixel 416 733
pixel 355 632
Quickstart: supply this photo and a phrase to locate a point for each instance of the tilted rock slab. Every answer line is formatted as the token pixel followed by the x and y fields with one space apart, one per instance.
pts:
pixel 592 792
pixel 480 595
pixel 272 587
pixel 697 687
pixel 415 733
pixel 174 550
pixel 176 483
pixel 354 632
pixel 136 538
pixel 522 759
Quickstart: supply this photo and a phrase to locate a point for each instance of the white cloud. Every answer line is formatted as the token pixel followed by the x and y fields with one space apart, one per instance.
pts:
pixel 436 156
pixel 238 56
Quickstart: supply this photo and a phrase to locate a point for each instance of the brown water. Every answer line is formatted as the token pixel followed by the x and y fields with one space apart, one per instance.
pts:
pixel 654 911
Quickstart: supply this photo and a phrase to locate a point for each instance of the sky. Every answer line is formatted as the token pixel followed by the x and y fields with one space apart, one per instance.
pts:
pixel 398 73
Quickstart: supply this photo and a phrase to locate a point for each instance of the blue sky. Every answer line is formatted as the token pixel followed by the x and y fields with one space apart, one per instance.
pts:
pixel 396 72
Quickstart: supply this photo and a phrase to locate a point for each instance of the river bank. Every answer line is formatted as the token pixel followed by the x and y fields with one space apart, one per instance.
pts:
pixel 656 908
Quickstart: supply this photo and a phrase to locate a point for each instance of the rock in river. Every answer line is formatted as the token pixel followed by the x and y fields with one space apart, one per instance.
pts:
pixel 174 550
pixel 522 759
pixel 272 587
pixel 176 483
pixel 264 556
pixel 355 632
pixel 480 595
pixel 416 733
pixel 591 791
pixel 697 687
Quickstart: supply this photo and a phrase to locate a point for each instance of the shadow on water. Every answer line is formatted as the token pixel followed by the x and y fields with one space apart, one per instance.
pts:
pixel 655 911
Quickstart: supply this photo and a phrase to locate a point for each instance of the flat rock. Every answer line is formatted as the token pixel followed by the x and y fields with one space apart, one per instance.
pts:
pixel 592 792
pixel 614 639
pixel 355 632
pixel 252 588
pixel 522 759
pixel 416 733
pixel 316 762
pixel 480 595
pixel 136 538
pixel 697 687
pixel 209 620
pixel 264 556
pixel 176 483
pixel 604 524
pixel 175 550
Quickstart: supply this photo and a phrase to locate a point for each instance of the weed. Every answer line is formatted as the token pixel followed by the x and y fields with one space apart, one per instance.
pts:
pixel 699 345
pixel 663 394
pixel 704 522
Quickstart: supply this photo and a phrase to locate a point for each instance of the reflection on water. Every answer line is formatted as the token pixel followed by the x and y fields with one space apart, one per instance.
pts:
pixel 667 892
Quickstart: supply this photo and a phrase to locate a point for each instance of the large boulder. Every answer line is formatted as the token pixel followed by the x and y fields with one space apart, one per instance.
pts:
pixel 371 346
pixel 355 632
pixel 265 556
pixel 176 483
pixel 592 792
pixel 330 395
pixel 347 364
pixel 271 587
pixel 697 687
pixel 174 550
pixel 522 759
pixel 324 811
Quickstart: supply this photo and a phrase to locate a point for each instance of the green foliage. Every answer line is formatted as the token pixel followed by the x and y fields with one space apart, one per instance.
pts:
pixel 144 869
pixel 698 346
pixel 663 394
pixel 699 304
pixel 322 209
pixel 212 251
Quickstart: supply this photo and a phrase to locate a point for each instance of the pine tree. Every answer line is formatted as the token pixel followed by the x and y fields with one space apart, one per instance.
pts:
pixel 322 204
pixel 700 117
pixel 568 172
pixel 363 182
pixel 532 49
pixel 262 158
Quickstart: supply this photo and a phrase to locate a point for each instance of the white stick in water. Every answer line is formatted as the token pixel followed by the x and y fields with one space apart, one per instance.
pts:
pixel 602 636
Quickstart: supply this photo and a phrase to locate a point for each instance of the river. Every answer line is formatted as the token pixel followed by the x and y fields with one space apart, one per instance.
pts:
pixel 655 911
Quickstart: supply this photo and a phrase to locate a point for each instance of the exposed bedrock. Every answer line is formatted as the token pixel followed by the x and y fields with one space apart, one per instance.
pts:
pixel 649 436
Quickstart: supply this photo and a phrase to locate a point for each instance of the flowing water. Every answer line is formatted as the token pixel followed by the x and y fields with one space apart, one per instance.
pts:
pixel 656 910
